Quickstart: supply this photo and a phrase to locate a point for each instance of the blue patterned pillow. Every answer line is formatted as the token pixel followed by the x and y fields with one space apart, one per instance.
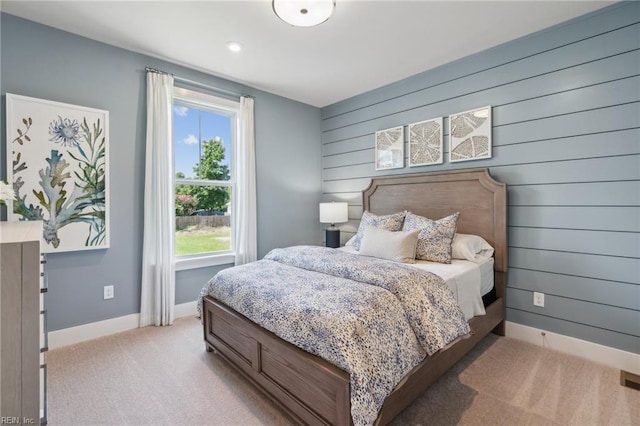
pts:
pixel 434 240
pixel 390 222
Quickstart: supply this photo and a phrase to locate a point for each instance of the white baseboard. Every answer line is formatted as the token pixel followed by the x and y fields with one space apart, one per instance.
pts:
pixel 186 309
pixel 600 354
pixel 93 330
pixel 81 333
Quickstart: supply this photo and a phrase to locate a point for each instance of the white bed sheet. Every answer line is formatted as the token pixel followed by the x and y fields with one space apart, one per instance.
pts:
pixel 467 280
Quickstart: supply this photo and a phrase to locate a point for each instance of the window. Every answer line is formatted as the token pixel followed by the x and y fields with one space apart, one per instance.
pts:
pixel 204 139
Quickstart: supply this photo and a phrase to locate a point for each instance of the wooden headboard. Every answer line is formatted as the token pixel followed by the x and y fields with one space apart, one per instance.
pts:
pixel 481 201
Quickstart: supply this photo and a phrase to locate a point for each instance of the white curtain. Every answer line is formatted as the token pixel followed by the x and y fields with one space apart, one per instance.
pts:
pixel 158 269
pixel 245 209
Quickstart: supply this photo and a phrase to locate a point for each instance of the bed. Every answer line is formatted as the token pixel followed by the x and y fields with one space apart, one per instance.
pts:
pixel 314 391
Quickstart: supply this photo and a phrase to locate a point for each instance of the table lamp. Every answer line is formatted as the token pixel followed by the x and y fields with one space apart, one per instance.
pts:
pixel 333 213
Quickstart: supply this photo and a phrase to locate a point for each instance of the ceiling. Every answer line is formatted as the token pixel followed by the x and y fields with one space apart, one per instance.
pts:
pixel 364 45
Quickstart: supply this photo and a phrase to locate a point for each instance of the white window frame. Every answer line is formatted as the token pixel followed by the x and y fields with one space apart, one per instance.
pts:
pixel 204 101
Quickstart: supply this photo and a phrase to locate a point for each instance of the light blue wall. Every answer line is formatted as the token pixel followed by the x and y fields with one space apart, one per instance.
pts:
pixel 45 63
pixel 566 139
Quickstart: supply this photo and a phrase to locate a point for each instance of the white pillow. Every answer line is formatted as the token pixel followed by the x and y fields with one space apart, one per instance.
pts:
pixel 470 247
pixel 397 246
pixel 350 242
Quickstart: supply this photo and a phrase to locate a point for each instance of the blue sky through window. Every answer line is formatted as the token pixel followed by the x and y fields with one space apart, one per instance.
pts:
pixel 191 126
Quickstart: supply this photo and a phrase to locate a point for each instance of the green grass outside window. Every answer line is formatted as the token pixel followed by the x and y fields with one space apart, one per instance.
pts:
pixel 203 240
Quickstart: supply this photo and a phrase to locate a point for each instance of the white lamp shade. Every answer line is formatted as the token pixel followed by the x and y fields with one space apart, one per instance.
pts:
pixel 334 212
pixel 303 13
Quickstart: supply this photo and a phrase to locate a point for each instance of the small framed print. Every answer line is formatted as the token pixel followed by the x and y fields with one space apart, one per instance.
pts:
pixel 470 135
pixel 425 143
pixel 390 148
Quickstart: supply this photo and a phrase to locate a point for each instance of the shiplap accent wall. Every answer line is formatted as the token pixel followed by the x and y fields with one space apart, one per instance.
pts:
pixel 566 139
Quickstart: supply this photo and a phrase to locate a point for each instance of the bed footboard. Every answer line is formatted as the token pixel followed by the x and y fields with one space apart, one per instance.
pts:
pixel 307 387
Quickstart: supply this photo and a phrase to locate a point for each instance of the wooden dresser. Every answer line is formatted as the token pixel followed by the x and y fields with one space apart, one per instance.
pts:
pixel 23 338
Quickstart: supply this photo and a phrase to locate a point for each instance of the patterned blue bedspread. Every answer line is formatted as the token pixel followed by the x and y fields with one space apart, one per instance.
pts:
pixel 373 318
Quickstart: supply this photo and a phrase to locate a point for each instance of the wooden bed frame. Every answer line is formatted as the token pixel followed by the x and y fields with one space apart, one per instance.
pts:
pixel 314 391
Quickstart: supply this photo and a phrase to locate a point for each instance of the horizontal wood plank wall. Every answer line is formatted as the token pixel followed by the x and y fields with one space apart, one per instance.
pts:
pixel 566 139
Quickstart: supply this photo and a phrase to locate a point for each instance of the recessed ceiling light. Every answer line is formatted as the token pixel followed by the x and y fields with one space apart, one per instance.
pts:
pixel 234 46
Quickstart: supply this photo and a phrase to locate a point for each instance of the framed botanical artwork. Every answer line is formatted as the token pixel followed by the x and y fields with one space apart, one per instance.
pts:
pixel 425 143
pixel 57 166
pixel 390 148
pixel 470 135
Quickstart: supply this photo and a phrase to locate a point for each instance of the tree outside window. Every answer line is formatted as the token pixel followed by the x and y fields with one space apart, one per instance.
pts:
pixel 200 198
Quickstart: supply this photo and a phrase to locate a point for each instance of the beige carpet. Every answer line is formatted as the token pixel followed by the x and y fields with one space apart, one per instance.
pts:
pixel 163 376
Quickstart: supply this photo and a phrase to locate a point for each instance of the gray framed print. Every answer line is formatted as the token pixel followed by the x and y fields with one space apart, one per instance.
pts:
pixel 470 135
pixel 425 142
pixel 57 166
pixel 390 148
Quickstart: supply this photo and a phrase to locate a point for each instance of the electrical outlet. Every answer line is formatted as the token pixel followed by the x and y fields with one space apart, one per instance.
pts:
pixel 538 299
pixel 108 292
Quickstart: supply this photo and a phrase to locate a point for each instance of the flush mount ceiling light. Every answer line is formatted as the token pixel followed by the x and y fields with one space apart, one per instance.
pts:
pixel 304 13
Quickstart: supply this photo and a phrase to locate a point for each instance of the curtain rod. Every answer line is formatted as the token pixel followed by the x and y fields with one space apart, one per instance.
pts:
pixel 197 83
